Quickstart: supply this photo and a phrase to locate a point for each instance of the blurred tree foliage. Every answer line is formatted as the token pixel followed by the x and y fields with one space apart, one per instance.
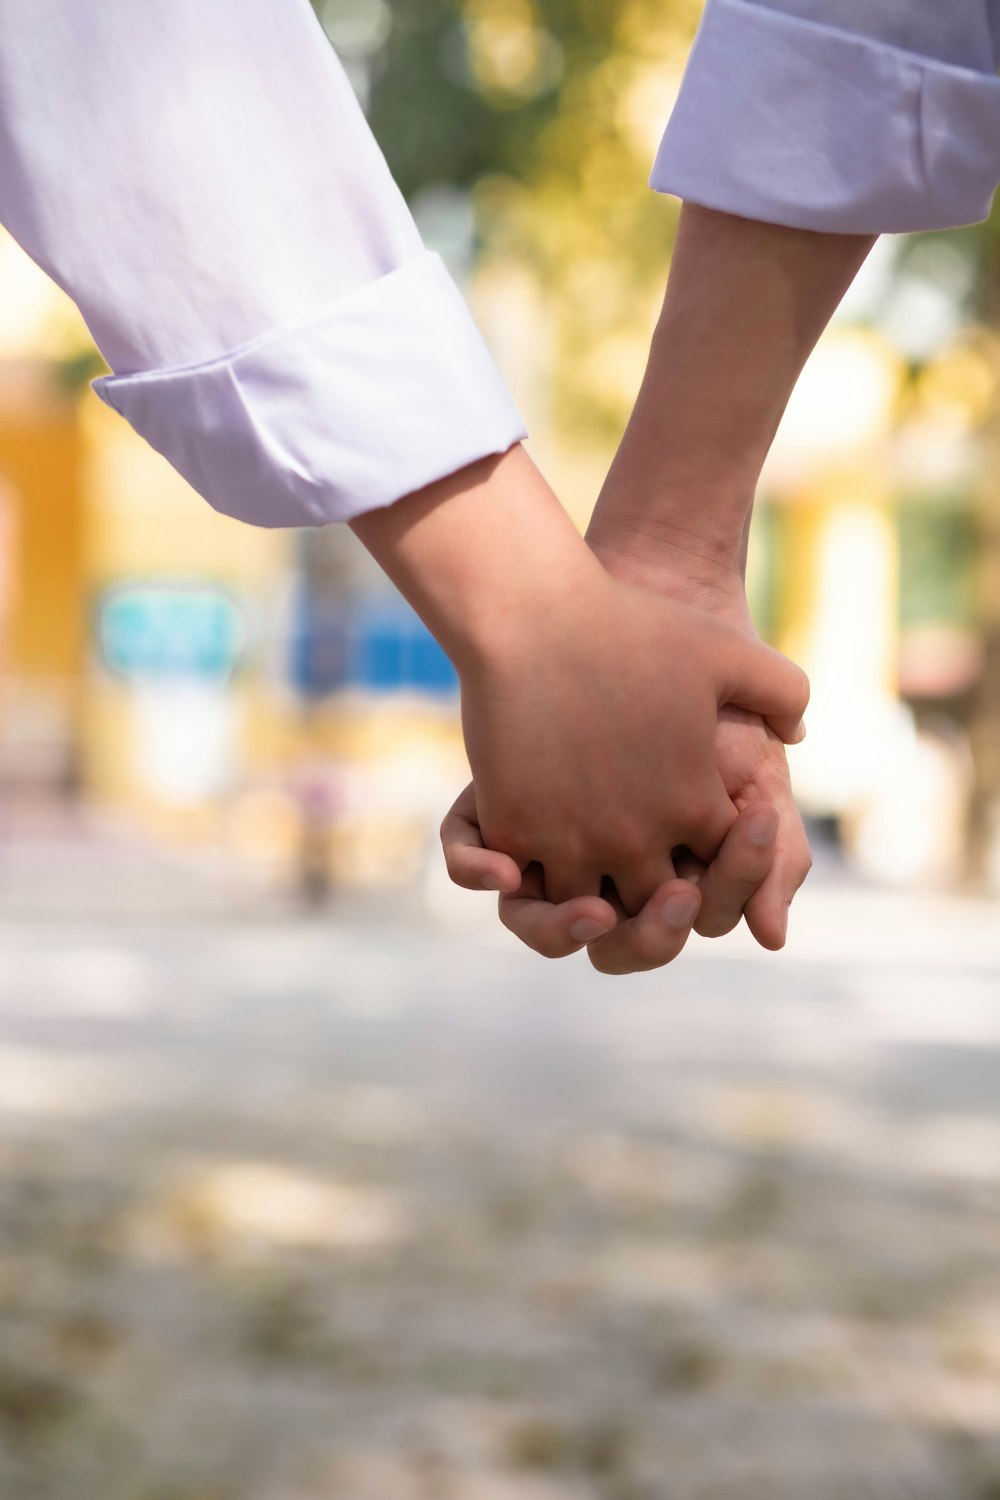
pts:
pixel 547 112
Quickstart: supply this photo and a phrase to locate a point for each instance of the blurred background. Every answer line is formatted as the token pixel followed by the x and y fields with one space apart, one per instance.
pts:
pixel 312 1183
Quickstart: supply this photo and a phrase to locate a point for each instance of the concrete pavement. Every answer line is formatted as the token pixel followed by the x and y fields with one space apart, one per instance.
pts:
pixel 338 1210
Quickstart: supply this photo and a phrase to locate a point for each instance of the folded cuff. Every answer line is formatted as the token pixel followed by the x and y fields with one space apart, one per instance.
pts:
pixel 798 123
pixel 377 395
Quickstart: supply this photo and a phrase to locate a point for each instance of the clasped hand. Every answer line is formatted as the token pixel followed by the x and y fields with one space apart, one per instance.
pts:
pixel 628 774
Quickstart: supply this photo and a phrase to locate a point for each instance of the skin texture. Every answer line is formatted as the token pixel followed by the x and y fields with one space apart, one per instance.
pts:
pixel 617 943
pixel 762 863
pixel 753 765
pixel 745 304
pixel 577 686
pixel 568 737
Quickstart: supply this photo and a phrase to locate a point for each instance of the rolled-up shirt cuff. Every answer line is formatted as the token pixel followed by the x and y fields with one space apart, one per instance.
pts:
pixel 376 395
pixel 799 123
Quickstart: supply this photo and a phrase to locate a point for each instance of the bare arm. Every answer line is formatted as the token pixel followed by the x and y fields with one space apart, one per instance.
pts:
pixel 745 304
pixel 579 692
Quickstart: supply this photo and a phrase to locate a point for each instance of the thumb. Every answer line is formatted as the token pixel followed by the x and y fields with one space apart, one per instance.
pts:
pixel 760 680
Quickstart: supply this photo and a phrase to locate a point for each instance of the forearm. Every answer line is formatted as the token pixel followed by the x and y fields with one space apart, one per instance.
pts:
pixel 745 304
pixel 481 555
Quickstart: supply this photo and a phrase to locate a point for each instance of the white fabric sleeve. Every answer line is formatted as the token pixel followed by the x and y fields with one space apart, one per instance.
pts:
pixel 858 116
pixel 201 181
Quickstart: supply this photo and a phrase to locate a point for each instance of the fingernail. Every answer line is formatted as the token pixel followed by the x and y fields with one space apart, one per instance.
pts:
pixel 586 929
pixel 800 733
pixel 491 883
pixel 762 827
pixel 679 910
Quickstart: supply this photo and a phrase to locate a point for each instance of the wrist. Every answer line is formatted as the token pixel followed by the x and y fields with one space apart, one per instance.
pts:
pixel 658 544
pixel 524 606
pixel 485 556
pixel 672 561
pixel 677 502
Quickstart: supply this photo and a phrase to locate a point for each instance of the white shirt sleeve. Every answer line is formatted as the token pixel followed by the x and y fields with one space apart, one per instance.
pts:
pixel 860 116
pixel 201 181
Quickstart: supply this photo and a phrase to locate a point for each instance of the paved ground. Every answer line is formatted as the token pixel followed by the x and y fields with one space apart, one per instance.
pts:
pixel 384 1211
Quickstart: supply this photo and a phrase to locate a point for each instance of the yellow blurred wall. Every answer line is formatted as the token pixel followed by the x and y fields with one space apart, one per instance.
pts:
pixel 41 499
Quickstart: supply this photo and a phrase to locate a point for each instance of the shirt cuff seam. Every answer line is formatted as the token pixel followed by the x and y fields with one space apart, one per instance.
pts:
pixel 823 29
pixel 367 399
pixel 258 341
pixel 807 125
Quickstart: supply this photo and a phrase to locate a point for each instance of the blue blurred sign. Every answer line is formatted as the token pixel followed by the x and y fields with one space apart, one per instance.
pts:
pixel 156 630
pixel 379 646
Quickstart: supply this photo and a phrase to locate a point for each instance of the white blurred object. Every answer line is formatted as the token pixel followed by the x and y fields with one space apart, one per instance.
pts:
pixel 841 407
pixel 848 645
pixel 447 222
pixel 925 303
pixel 356 27
pixel 912 829
pixel 451 908
pixel 856 743
pixel 871 288
pixel 184 738
pixel 921 318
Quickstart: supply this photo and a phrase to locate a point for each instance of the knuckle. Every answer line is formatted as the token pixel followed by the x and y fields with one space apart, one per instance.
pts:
pixel 509 920
pixel 566 861
pixel 607 961
pixel 639 951
pixel 701 816
pixel 652 955
pixel 716 924
pixel 610 954
pixel 504 841
pixel 627 841
pixel 499 836
pixel 546 944
pixel 545 941
pixel 800 861
pixel 458 872
pixel 570 863
pixel 803 689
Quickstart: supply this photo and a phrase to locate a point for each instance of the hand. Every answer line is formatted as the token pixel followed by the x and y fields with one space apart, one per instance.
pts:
pixel 617 943
pixel 751 760
pixel 578 689
pixel 745 304
pixel 762 863
pixel 754 769
pixel 591 730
